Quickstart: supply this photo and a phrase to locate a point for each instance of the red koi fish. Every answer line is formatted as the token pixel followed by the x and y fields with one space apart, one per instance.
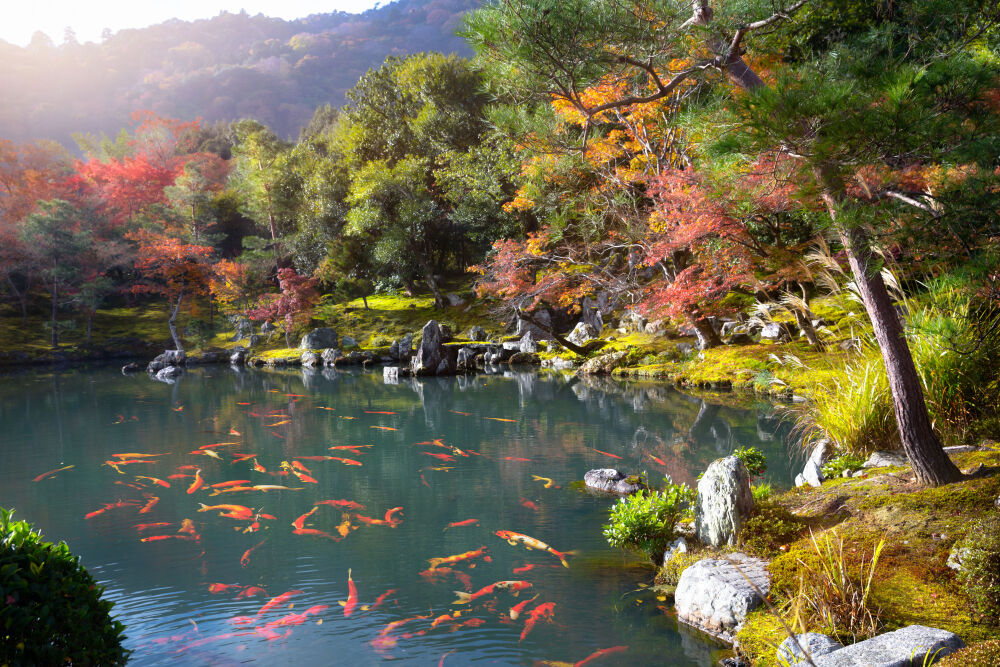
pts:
pixel 197 483
pixel 149 526
pixel 241 457
pixel 277 601
pixel 309 479
pixel 111 506
pixel 344 504
pixel 380 600
pixel 350 447
pixel 244 403
pixel 179 475
pixel 367 520
pixel 379 412
pixel 150 503
pixel 293 619
pixel 216 444
pixel 464 414
pixel 391 520
pixel 348 462
pixel 516 610
pixel 258 467
pixel 352 596
pixel 231 511
pixel 250 591
pixel 155 480
pixel 468 623
pixel 445 618
pixel 657 459
pixel 531 543
pixel 516 458
pixel 459 524
pixel 221 588
pixel 301 521
pixel 439 456
pixel 614 456
pixel 384 640
pixel 270 635
pixel 529 567
pixel 481 552
pixel 232 482
pixel 245 558
pixel 542 611
pixel 242 620
pixel 51 472
pixel 312 532
pixel 233 431
pixel 529 504
pixel 514 587
pixel 157 538
pixel 597 655
pixel 384 428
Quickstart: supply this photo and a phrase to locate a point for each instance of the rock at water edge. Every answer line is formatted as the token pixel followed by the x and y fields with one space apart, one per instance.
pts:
pixel 611 481
pixel 724 501
pixel 715 595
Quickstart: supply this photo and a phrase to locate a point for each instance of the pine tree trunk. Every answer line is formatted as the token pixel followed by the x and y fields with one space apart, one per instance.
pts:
pixel 364 299
pixel 173 318
pixel 931 464
pixel 705 331
pixel 802 319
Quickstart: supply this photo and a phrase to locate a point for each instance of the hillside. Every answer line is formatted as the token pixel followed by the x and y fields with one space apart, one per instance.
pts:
pixel 221 69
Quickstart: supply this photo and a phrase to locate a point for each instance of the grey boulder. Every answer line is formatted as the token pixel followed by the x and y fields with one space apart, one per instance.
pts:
pixel 310 358
pixel 715 595
pixel 318 339
pixel 724 501
pixel 882 459
pixel 610 480
pixel 812 644
pixel 907 647
pixel 476 333
pixel 330 356
pixel 528 344
pixel 582 333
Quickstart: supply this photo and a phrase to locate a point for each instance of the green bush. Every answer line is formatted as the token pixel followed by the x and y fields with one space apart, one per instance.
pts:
pixel 51 611
pixel 645 520
pixel 980 573
pixel 836 466
pixel 983 654
pixel 770 528
pixel 753 459
pixel 761 492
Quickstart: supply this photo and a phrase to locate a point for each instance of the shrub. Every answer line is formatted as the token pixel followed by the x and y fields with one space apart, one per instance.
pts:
pixel 836 466
pixel 51 612
pixel 753 459
pixel 980 573
pixel 645 520
pixel 770 528
pixel 983 654
pixel 761 492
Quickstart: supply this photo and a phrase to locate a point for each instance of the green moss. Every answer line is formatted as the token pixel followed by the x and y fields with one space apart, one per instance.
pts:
pixel 759 638
pixel 670 573
pixel 981 654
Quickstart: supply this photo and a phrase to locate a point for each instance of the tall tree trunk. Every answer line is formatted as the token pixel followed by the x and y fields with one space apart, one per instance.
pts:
pixel 364 299
pixel 173 318
pixel 439 301
pixel 802 319
pixel 55 306
pixel 705 332
pixel 931 464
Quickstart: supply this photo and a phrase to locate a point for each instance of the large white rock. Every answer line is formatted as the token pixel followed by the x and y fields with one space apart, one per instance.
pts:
pixel 907 647
pixel 724 501
pixel 715 595
pixel 812 643
pixel 582 333
pixel 882 459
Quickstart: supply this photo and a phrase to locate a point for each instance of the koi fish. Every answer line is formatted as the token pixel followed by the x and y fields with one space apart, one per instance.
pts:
pixel 516 458
pixel 614 456
pixel 529 504
pixel 241 457
pixel 382 598
pixel 121 419
pixel 464 414
pixel 423 480
pixel 440 456
pixel 277 601
pixel 155 480
pixel 187 467
pixel 258 467
pixel 529 567
pixel 232 511
pixel 218 444
pixel 245 558
pixel 131 485
pixel 232 489
pixel 244 404
pixel 352 596
pixel 379 412
pixel 384 428
pixel 354 449
pixel 148 526
pixel 514 587
pixel 344 527
pixel 320 458
pixel 208 452
pixel 349 462
pixel 51 472
pixel 343 417
pixel 242 620
pixel 346 504
pixel 150 503
pixel 179 476
pixel 281 423
pixel 370 521
pixel 516 610
pixel 459 524
pixel 274 487
pixel 157 538
pixel 197 483
pixel 384 640
pixel 221 588
pixel 233 431
pixel 232 482
pixel 444 618
pixel 481 552
pixel 312 532
pixel 531 543
pixel 179 408
pixel 301 521
pixel 389 519
pixel 250 591
pixel 547 480
pixel 597 655
pixel 323 407
pixel 656 459
pixel 468 623
pixel 134 455
pixel 542 611
pixel 296 619
pixel 187 526
pixel 436 574
pixel 501 419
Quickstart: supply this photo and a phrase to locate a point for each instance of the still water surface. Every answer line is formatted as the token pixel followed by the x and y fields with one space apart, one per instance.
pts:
pixel 508 431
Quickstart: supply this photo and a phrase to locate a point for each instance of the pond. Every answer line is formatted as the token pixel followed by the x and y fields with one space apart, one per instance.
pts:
pixel 480 454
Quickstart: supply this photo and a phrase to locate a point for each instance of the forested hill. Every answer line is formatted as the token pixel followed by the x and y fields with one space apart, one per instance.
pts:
pixel 221 69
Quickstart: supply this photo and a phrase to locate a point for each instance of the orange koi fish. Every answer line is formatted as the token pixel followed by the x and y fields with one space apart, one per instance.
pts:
pixel 597 655
pixel 257 467
pixel 233 431
pixel 343 417
pixel 516 610
pixel 187 467
pixel 155 480
pixel 514 587
pixel 319 458
pixel 547 480
pixel 444 618
pixel 231 511
pixel 531 543
pixel 345 504
pixel 530 504
pixel 241 457
pixel 312 532
pixel 656 459
pixel 529 567
pixel 382 598
pixel 305 478
pixel 244 403
pixel 131 485
pixel 516 458
pixel 179 408
pixel 614 456
pixel 301 467
pixel 221 588
pixel 280 423
pixel 464 414
pixel 501 419
pixel 392 521
pixel 274 487
pixel 347 462
pixel 352 596
pixel 481 552
pixel 148 526
pixel 301 521
pixel 354 449
pixel 384 428
pixel 134 455
pixel 207 452
pixel 370 521
pixel 459 524
pixel 197 483
pixel 218 444
pixel 242 620
pixel 278 435
pixel 250 591
pixel 232 489
pixel 158 538
pixel 344 527
pixel 277 601
pixel 245 558
pixel 468 623
pixel 51 472
pixel 232 482
pixel 439 456
pixel 151 501
pixel 179 475
pixel 542 611
pixel 379 412
pixel 384 640
pixel 293 619
pixel 187 526
pixel 323 407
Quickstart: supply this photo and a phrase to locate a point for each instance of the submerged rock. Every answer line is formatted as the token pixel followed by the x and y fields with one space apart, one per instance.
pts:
pixel 715 595
pixel 167 358
pixel 610 480
pixel 724 501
